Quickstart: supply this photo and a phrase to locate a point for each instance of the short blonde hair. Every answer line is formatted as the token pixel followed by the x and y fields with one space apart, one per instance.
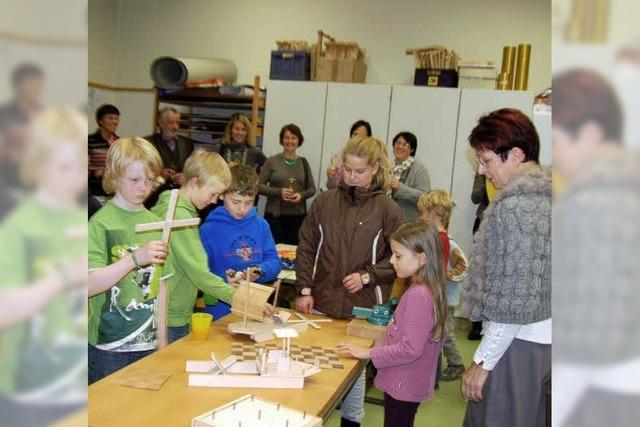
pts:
pixel 374 151
pixel 52 128
pixel 437 201
pixel 226 138
pixel 207 167
pixel 125 151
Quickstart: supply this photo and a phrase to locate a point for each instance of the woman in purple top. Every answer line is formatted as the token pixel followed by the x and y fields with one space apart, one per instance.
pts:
pixel 407 360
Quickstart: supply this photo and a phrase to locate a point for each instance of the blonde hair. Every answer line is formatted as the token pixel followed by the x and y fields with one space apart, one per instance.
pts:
pixel 207 167
pixel 422 238
pixel 437 201
pixel 226 138
pixel 374 152
pixel 125 151
pixel 53 127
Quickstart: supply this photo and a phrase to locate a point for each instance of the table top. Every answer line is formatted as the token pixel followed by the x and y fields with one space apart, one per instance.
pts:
pixel 176 403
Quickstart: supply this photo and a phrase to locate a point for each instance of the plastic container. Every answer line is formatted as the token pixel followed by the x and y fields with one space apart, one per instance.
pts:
pixel 200 324
pixel 293 65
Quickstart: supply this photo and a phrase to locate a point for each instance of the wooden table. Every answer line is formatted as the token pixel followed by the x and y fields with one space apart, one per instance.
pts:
pixel 175 404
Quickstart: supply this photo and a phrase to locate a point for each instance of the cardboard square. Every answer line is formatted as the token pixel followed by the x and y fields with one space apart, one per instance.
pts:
pixel 141 378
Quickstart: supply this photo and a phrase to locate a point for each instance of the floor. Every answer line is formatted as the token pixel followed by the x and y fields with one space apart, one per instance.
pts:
pixel 446 409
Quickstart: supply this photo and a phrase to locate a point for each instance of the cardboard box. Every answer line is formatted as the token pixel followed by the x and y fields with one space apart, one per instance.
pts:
pixel 341 70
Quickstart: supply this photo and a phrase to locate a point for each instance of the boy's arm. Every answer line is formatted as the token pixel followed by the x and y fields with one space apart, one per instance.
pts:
pixel 270 264
pixel 102 275
pixel 190 257
pixel 458 265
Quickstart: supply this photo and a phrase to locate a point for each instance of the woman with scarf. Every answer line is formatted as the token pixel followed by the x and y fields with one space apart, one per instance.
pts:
pixel 409 178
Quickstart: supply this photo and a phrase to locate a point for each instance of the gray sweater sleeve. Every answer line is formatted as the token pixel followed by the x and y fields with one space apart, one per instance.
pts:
pixel 417 183
pixel 265 173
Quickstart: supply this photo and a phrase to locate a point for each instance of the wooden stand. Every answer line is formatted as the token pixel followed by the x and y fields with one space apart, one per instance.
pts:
pixel 254 411
pixel 362 328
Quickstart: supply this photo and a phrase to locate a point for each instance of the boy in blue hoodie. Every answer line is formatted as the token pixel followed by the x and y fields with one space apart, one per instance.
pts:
pixel 236 238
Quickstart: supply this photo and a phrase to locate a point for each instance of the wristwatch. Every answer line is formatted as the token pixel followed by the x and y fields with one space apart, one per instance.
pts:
pixel 365 278
pixel 305 292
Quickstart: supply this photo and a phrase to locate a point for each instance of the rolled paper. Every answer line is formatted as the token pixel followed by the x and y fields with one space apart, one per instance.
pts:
pixel 509 64
pixel 522 67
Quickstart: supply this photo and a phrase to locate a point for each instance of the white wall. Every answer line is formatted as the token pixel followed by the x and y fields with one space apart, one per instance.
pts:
pixel 244 31
pixel 103 37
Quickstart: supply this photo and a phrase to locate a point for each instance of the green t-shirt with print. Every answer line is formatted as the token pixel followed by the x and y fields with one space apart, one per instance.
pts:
pixel 124 317
pixel 47 352
pixel 189 263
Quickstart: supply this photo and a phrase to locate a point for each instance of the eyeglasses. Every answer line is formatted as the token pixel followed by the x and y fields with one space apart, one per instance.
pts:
pixel 484 162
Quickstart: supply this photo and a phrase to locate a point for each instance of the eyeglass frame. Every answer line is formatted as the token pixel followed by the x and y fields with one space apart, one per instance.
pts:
pixel 503 154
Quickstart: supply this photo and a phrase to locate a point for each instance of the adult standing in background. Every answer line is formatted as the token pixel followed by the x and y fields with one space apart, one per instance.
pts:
pixel 108 118
pixel 509 282
pixel 27 80
pixel 479 197
pixel 287 182
pixel 410 178
pixel 334 171
pixel 174 150
pixel 238 145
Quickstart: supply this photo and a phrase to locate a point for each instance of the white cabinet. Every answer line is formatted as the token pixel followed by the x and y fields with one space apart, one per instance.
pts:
pixel 432 115
pixel 347 103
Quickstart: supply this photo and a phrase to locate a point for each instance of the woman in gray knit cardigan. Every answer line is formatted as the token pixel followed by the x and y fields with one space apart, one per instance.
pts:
pixel 509 282
pixel 410 178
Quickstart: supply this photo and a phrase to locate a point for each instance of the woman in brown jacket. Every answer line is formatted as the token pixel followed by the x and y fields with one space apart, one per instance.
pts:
pixel 344 249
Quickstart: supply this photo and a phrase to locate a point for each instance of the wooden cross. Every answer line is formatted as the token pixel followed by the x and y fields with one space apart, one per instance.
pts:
pixel 169 223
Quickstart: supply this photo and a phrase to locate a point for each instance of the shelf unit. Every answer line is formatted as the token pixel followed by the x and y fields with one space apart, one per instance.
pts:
pixel 205 112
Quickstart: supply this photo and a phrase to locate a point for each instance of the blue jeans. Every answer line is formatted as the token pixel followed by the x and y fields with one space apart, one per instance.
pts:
pixel 102 362
pixel 352 407
pixel 174 333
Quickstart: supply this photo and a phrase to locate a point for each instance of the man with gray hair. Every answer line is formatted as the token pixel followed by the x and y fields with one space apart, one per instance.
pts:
pixel 173 148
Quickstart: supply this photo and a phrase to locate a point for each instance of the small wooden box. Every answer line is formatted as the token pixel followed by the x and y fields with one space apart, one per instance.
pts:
pixel 362 328
pixel 341 70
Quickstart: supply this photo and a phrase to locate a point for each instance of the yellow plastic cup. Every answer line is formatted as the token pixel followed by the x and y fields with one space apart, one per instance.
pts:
pixel 200 324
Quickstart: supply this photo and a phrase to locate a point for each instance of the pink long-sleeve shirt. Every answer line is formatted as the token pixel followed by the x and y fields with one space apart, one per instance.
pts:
pixel 407 360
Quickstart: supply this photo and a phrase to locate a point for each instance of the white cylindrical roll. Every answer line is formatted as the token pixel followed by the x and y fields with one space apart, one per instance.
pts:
pixel 171 72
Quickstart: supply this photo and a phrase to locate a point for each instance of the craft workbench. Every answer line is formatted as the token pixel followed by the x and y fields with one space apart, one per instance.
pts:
pixel 175 404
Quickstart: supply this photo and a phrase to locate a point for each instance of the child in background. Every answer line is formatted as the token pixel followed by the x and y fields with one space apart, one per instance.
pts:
pixel 415 336
pixel 127 307
pixel 236 238
pixel 435 207
pixel 43 259
pixel 205 177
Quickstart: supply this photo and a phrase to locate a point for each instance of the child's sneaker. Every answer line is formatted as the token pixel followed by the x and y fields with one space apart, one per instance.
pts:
pixel 451 373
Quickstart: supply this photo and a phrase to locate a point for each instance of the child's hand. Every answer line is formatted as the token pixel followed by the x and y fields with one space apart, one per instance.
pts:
pixel 153 252
pixel 234 277
pixel 354 350
pixel 254 274
pixel 269 310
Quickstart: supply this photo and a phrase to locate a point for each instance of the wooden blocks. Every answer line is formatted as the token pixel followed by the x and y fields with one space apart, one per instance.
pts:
pixel 362 328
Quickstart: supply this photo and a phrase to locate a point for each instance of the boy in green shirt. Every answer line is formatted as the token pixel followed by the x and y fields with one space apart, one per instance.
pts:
pixel 43 285
pixel 205 177
pixel 127 304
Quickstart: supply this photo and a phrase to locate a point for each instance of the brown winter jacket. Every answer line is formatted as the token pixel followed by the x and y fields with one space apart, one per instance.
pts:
pixel 346 231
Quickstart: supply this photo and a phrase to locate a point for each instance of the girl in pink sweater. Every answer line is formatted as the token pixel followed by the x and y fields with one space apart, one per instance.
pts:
pixel 407 360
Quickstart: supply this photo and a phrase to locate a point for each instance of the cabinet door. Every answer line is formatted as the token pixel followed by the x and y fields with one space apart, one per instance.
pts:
pixel 347 103
pixel 432 115
pixel 473 104
pixel 301 103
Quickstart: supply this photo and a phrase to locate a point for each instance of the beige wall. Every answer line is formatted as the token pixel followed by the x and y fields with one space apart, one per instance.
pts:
pixel 103 38
pixel 244 32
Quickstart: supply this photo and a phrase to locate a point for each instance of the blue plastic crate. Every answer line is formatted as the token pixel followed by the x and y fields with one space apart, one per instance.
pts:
pixel 293 65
